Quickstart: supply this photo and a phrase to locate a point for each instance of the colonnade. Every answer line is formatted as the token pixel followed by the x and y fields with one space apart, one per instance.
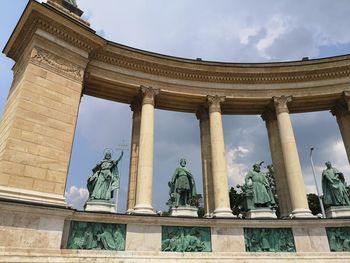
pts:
pixel 289 178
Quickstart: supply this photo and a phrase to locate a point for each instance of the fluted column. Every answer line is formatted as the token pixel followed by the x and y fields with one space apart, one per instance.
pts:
pixel 134 153
pixel 342 112
pixel 269 116
pixel 294 176
pixel 208 189
pixel 219 169
pixel 145 162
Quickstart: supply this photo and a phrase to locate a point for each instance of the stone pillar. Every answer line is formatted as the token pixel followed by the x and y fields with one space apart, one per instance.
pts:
pixel 38 124
pixel 134 153
pixel 342 112
pixel 145 162
pixel 208 190
pixel 219 169
pixel 269 116
pixel 294 176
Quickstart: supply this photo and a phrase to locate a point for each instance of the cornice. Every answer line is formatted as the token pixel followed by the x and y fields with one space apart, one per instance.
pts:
pixel 132 62
pixel 35 20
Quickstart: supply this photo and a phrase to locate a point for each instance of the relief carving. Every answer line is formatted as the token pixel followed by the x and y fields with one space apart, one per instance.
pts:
pixel 53 62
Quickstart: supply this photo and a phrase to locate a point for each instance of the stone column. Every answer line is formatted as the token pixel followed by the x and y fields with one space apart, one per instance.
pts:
pixel 269 116
pixel 294 176
pixel 208 190
pixel 134 153
pixel 342 112
pixel 219 169
pixel 145 162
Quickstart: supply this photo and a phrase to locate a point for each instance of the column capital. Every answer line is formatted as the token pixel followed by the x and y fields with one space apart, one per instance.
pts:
pixel 136 104
pixel 202 112
pixel 281 103
pixel 148 94
pixel 346 99
pixel 214 102
pixel 342 106
pixel 269 114
pixel 339 110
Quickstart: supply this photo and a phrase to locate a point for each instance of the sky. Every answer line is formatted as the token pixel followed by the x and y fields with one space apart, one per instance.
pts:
pixel 225 30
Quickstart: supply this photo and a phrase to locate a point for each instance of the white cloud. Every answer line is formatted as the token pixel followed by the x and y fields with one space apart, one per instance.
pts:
pixel 77 197
pixel 236 169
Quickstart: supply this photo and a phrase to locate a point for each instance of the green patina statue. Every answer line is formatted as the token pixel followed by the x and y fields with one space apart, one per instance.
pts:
pixel 104 179
pixel 186 239
pixel 182 187
pixel 338 238
pixel 334 187
pixel 269 240
pixel 72 2
pixel 257 189
pixel 87 235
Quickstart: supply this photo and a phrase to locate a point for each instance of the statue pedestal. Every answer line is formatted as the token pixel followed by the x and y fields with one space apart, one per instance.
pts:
pixel 260 213
pixel 186 211
pixel 338 212
pixel 100 206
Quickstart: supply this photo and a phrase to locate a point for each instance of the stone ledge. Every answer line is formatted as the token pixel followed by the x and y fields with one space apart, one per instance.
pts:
pixel 13 255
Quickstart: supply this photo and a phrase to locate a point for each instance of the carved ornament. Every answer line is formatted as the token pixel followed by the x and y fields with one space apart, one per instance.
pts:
pixel 269 114
pixel 214 103
pixel 202 113
pixel 281 103
pixel 57 64
pixel 148 95
pixel 174 72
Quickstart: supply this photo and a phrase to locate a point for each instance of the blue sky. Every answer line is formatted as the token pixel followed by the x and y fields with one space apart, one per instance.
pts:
pixel 237 31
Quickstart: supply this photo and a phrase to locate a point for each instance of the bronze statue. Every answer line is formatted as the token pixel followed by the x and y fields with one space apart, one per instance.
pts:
pixel 104 179
pixel 334 187
pixel 182 186
pixel 257 184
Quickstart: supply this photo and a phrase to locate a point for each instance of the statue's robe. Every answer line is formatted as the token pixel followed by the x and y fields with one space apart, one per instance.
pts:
pixel 334 190
pixel 104 180
pixel 261 193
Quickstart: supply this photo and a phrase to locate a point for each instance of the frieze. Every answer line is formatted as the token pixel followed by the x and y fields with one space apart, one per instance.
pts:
pixel 45 58
pixel 221 77
pixel 338 238
pixel 269 240
pixel 186 239
pixel 102 236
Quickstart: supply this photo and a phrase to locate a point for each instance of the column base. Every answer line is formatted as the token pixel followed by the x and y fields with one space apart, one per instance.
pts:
pixel 129 211
pixel 143 210
pixel 223 213
pixel 185 211
pixel 208 215
pixel 261 213
pixel 338 212
pixel 302 213
pixel 100 206
pixel 30 196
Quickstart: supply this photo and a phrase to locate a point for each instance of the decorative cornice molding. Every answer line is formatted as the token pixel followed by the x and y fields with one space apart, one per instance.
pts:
pixel 281 103
pixel 44 58
pixel 148 95
pixel 214 103
pixel 40 21
pixel 144 66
